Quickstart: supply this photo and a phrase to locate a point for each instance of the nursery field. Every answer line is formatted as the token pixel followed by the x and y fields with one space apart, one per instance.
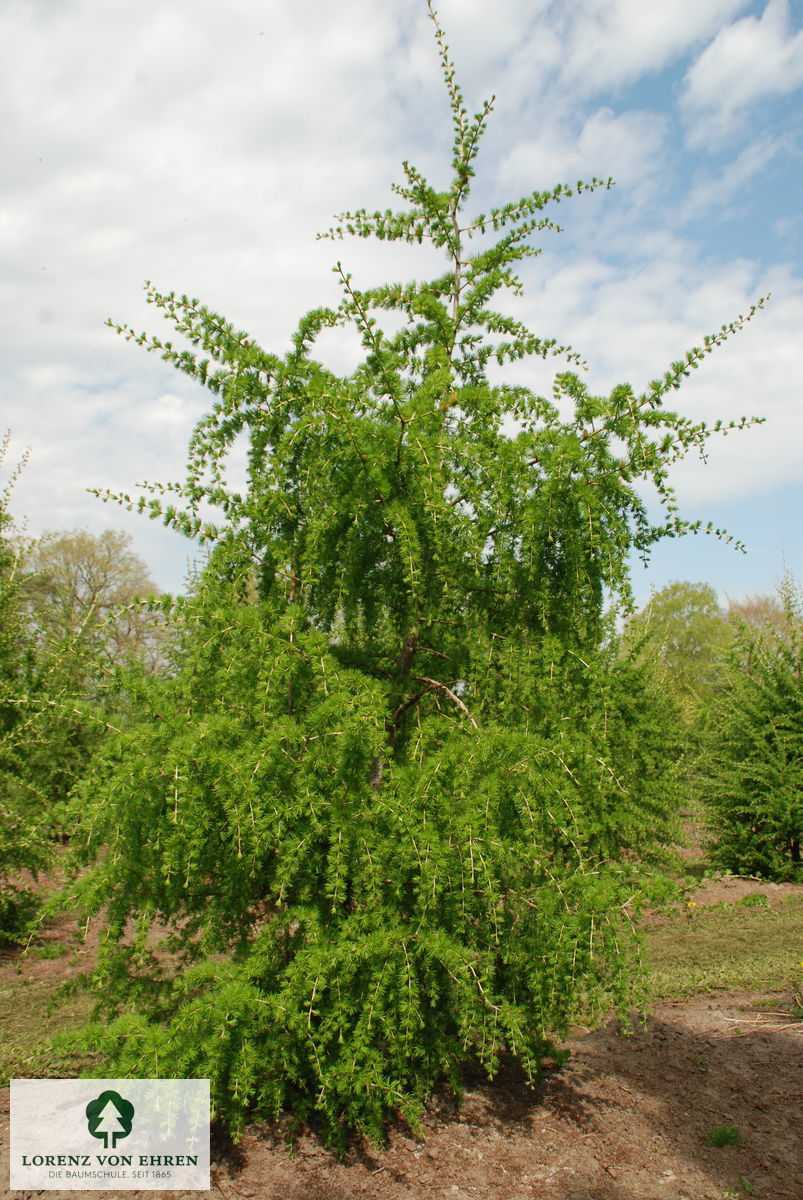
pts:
pixel 719 1060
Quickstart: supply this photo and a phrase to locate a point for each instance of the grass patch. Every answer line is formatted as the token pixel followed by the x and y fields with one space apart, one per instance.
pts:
pixel 703 949
pixel 49 950
pixel 28 1019
pixel 724 1135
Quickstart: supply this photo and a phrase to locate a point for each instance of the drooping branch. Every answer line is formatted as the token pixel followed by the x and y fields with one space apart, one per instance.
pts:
pixel 435 683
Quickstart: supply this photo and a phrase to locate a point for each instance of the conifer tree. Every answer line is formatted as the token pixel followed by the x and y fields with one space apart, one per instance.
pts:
pixel 391 801
pixel 754 785
pixel 23 844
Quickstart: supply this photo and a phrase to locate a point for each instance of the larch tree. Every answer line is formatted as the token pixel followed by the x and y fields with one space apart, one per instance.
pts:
pixel 754 766
pixel 23 840
pixel 392 801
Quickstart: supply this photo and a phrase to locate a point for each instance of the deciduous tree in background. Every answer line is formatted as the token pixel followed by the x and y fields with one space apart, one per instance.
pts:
pixel 681 637
pixel 82 620
pixel 688 630
pixel 761 611
pixel 81 589
pixel 394 798
pixel 67 619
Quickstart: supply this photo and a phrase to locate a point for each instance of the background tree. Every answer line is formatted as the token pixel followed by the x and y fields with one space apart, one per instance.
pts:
pixel 11 639
pixel 82 597
pixel 687 633
pixel 681 638
pixel 755 766
pixel 68 616
pixel 388 802
pixel 82 589
pixel 23 844
pixel 761 611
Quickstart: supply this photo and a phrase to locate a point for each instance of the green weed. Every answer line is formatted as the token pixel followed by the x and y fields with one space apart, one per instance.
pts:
pixel 723 1135
pixel 49 950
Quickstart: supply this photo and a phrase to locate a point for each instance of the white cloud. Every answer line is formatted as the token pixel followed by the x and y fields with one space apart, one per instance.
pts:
pixel 746 62
pixel 203 147
pixel 626 146
pixel 613 42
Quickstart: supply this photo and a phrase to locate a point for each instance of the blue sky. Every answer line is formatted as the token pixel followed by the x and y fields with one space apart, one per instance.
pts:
pixel 203 147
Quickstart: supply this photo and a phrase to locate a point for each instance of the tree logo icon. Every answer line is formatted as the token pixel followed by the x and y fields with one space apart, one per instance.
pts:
pixel 110 1117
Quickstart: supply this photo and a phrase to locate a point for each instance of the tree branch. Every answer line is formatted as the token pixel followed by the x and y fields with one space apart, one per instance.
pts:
pixel 435 683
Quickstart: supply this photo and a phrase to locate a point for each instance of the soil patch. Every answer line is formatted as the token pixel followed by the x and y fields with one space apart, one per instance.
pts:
pixel 625 1119
pixel 732 889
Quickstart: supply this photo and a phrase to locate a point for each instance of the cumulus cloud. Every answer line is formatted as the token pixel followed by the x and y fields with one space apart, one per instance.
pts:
pixel 203 147
pixel 613 42
pixel 625 145
pixel 746 62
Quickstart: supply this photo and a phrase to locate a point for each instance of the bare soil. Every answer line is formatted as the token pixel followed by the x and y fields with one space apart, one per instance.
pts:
pixel 625 1119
